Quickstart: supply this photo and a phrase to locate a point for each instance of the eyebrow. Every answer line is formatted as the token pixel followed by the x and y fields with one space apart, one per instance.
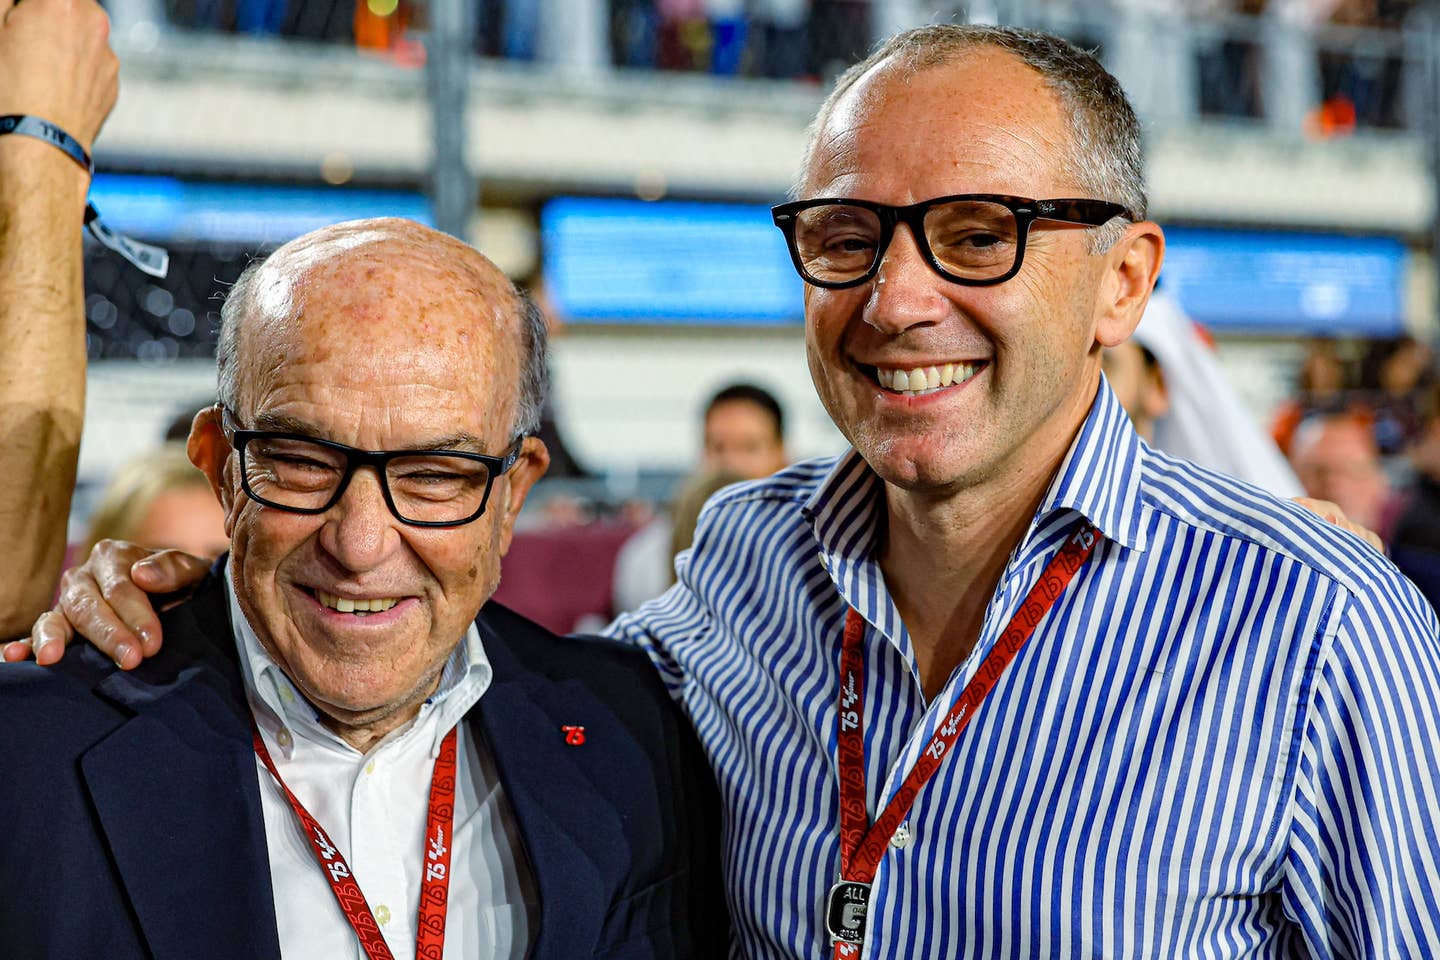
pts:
pixel 284 423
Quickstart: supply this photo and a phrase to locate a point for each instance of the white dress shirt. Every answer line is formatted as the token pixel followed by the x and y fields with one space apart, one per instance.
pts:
pixel 374 807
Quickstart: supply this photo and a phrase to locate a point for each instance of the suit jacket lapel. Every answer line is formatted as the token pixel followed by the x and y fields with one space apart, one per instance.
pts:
pixel 571 832
pixel 177 796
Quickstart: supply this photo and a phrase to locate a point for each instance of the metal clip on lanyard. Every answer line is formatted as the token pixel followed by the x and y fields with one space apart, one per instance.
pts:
pixel 152 260
pixel 862 844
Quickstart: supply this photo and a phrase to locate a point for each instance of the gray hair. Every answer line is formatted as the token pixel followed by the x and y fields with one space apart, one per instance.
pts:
pixel 534 337
pixel 1105 155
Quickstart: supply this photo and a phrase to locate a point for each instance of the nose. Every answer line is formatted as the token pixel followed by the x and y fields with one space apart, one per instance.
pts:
pixel 360 531
pixel 906 291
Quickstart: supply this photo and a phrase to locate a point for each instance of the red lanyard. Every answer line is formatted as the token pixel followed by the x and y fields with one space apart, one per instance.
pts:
pixel 862 845
pixel 434 888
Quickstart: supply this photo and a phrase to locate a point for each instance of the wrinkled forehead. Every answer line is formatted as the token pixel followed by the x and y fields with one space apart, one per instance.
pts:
pixel 384 309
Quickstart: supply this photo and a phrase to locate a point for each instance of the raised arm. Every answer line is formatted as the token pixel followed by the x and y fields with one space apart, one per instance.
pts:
pixel 55 64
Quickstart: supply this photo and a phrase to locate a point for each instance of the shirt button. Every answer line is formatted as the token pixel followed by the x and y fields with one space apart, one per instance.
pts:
pixel 902 838
pixel 370 768
pixel 382 914
pixel 286 695
pixel 283 738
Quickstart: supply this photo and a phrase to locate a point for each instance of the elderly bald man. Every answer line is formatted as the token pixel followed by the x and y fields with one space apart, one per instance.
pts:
pixel 339 754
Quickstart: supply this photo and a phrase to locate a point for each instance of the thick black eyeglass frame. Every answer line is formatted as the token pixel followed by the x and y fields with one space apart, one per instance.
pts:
pixel 356 458
pixel 1090 213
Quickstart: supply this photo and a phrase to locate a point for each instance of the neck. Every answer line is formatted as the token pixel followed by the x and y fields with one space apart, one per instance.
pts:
pixel 942 561
pixel 365 730
pixel 945 551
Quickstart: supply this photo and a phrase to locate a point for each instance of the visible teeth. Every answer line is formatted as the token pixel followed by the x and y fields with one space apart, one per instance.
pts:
pixel 924 378
pixel 359 607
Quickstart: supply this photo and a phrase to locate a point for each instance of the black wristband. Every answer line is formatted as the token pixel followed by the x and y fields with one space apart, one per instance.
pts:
pixel 152 260
pixel 28 126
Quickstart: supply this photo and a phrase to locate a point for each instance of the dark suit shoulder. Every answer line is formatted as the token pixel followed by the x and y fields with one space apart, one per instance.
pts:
pixel 538 650
pixel 67 707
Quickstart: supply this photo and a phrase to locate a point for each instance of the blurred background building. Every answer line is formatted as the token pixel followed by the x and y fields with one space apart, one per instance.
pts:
pixel 619 157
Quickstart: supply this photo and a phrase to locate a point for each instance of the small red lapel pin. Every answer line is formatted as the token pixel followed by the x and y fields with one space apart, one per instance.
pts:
pixel 574 736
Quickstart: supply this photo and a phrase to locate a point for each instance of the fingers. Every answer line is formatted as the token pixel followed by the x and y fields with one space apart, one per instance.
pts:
pixel 169 571
pixel 1365 533
pixel 101 603
pixel 1327 510
pixel 47 641
pixel 91 613
pixel 1324 509
pixel 49 637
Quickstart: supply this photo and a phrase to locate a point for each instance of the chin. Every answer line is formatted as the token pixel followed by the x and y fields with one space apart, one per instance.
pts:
pixel 917 464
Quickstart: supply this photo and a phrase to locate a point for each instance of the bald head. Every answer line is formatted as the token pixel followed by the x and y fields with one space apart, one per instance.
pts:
pixel 385 291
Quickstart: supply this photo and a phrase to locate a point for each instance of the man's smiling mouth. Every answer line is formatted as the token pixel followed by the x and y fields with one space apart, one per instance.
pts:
pixel 919 381
pixel 361 608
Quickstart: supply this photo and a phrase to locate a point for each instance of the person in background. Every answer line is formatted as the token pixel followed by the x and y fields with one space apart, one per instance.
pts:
pixel 744 432
pixel 160 500
pixel 744 438
pixel 55 64
pixel 1335 458
pixel 1170 382
pixel 1415 538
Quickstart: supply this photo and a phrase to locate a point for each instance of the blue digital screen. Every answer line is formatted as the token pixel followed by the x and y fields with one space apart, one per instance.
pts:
pixel 1270 282
pixel 633 261
pixel 176 211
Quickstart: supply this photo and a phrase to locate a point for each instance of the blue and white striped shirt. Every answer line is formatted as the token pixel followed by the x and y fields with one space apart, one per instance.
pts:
pixel 1223 740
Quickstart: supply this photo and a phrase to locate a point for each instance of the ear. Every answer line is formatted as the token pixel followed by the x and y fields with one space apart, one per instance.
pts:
pixel 209 450
pixel 1132 266
pixel 531 465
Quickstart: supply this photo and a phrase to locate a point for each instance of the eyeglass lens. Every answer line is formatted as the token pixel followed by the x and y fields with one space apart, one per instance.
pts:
pixel 426 487
pixel 973 239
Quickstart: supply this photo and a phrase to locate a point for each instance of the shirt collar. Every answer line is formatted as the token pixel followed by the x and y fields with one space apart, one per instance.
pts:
pixel 275 699
pixel 1098 479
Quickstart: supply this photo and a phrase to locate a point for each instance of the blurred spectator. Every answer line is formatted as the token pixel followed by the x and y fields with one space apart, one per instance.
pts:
pixel 1230 64
pixel 1336 459
pixel 1415 542
pixel 839 35
pixel 1320 386
pixel 744 439
pixel 781 33
pixel 1170 382
pixel 1401 372
pixel 160 500
pixel 745 432
pixel 1360 81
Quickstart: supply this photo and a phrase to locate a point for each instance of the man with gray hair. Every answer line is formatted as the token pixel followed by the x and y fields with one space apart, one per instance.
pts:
pixel 338 754
pixel 1001 681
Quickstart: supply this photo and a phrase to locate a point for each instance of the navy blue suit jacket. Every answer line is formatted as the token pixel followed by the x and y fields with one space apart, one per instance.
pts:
pixel 132 822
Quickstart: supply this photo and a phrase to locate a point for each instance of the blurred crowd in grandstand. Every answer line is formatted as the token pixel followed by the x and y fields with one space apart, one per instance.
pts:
pixel 1361 83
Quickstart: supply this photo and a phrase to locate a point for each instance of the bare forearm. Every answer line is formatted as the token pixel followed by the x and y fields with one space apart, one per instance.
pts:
pixel 42 379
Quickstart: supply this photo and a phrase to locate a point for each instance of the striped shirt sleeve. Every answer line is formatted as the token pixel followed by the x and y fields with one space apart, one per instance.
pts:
pixel 1362 874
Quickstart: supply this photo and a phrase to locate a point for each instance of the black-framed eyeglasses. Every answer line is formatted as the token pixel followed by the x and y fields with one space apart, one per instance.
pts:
pixel 976 239
pixel 423 488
